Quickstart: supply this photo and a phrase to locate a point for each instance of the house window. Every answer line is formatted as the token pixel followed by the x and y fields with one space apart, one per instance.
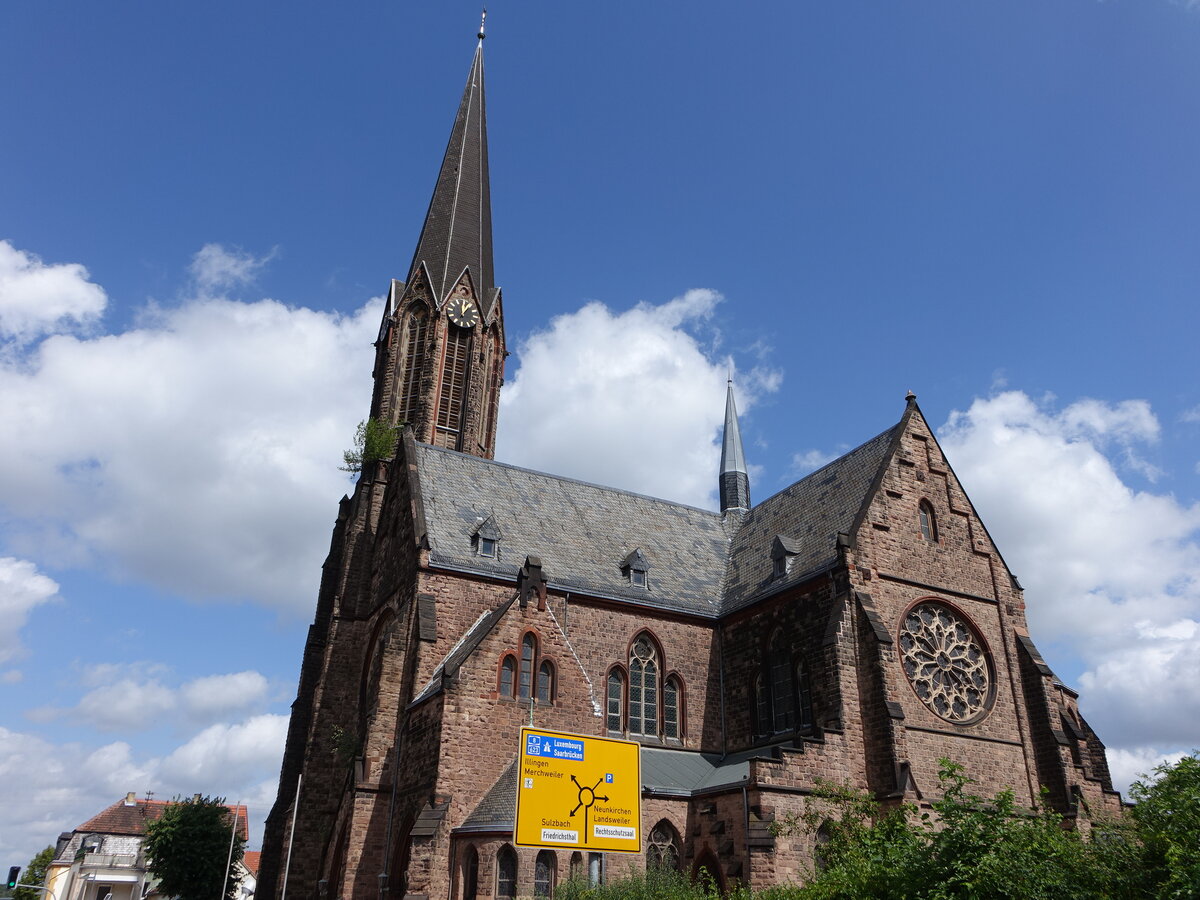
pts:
pixel 671 717
pixel 779 567
pixel 528 653
pixel 508 676
pixel 470 874
pixel 637 577
pixel 662 850
pixel 643 687
pixel 928 521
pixel 616 699
pixel 545 684
pixel 576 866
pixel 487 546
pixel 506 872
pixel 543 874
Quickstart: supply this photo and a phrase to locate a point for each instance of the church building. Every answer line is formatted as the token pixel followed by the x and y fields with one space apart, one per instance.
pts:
pixel 856 627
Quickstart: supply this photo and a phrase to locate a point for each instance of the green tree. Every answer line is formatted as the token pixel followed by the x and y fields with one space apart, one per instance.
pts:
pixel 970 847
pixel 1166 815
pixel 373 440
pixel 188 845
pixel 35 873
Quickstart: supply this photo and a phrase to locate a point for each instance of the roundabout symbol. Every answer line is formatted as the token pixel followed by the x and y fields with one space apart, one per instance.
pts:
pixel 587 797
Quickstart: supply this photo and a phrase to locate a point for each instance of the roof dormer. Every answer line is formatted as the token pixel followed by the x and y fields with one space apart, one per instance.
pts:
pixel 635 568
pixel 783 550
pixel 485 538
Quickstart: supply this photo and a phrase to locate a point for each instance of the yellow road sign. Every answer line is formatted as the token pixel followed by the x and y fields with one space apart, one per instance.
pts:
pixel 577 791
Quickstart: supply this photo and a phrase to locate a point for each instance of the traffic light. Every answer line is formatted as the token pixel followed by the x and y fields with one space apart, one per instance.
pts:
pixel 13 872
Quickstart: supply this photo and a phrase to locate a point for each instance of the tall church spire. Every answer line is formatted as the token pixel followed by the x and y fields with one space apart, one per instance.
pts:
pixel 457 234
pixel 735 480
pixel 439 359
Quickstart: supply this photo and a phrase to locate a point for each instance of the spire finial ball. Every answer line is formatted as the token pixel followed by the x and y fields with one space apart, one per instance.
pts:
pixel 482 22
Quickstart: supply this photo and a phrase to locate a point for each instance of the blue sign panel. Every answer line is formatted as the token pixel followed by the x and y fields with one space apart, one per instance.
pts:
pixel 553 747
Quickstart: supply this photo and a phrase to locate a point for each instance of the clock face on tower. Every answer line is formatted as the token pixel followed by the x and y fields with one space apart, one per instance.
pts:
pixel 462 312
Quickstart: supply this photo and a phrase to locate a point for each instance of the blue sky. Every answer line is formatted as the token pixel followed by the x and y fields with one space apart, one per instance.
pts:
pixel 992 204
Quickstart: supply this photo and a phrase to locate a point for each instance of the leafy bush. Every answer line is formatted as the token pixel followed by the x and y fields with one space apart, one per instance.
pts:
pixel 373 440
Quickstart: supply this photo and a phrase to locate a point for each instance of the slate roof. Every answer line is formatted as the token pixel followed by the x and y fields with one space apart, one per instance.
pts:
pixel 498 808
pixel 809 515
pixel 584 533
pixel 457 233
pixel 131 818
pixel 685 773
pixel 581 531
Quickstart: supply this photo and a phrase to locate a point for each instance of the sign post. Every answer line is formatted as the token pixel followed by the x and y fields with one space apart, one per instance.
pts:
pixel 578 791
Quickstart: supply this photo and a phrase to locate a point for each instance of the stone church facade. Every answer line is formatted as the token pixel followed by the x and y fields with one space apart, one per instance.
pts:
pixel 857 627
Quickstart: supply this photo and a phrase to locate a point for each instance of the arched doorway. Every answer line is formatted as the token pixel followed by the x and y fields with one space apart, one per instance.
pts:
pixel 708 868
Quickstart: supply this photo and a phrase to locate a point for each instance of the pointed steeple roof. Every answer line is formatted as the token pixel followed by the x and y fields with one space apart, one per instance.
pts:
pixel 457 233
pixel 734 479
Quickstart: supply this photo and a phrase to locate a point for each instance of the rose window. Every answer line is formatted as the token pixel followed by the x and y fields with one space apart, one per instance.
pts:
pixel 945 662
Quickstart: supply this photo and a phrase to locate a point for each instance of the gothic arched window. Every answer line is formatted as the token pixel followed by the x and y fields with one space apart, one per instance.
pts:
pixel 453 387
pixel 508 676
pixel 643 687
pixel 414 364
pixel 804 716
pixel 545 682
pixel 662 850
pixel 928 521
pixel 615 699
pixel 782 690
pixel 762 706
pixel 506 873
pixel 543 874
pixel 576 866
pixel 672 709
pixel 528 654
pixel 470 874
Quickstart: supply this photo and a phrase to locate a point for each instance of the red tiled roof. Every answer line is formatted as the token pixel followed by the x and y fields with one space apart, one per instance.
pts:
pixel 125 818
pixel 250 861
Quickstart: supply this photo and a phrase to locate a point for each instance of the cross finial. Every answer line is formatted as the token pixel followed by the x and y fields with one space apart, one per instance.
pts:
pixel 482 22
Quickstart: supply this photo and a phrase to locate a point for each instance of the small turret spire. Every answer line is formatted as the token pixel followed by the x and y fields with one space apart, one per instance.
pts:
pixel 734 479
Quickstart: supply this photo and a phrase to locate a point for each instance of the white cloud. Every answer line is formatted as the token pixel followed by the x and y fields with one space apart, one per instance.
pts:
pixel 1129 765
pixel 216 267
pixel 1111 572
pixel 125 705
pixel 197 452
pixel 37 298
pixel 596 377
pixel 22 588
pixel 138 696
pixel 238 752
pixel 1191 416
pixel 220 695
pixel 50 788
